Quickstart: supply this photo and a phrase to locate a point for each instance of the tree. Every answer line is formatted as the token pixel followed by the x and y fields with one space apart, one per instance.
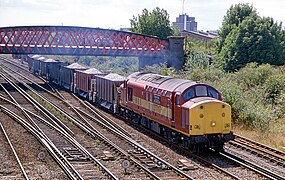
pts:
pixel 155 23
pixel 235 15
pixel 252 39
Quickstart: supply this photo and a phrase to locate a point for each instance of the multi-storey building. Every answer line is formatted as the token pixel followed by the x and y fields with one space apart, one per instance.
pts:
pixel 184 22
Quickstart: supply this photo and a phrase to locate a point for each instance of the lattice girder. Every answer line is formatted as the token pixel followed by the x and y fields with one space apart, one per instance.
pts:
pixel 68 40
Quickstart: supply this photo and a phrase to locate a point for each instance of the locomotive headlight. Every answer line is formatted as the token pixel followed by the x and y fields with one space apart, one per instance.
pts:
pixel 213 123
pixel 196 127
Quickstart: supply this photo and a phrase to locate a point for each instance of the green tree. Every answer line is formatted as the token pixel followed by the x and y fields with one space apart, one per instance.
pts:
pixel 235 15
pixel 155 23
pixel 250 39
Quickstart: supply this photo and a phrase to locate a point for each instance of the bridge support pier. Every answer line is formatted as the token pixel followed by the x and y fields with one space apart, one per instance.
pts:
pixel 176 52
pixel 175 57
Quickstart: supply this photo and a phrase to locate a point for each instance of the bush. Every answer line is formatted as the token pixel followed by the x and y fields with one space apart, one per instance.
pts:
pixel 196 59
pixel 253 75
pixel 160 69
pixel 274 86
pixel 206 74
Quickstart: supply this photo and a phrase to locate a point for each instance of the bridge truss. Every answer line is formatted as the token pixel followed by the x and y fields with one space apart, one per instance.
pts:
pixel 69 40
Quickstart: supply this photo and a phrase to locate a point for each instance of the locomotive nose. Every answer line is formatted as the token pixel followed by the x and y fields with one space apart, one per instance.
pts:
pixel 210 117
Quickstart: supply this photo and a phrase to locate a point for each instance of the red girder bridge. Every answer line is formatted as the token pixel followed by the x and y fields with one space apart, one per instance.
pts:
pixel 82 41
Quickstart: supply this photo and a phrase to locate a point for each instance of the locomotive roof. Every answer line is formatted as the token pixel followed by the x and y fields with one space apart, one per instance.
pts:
pixel 162 82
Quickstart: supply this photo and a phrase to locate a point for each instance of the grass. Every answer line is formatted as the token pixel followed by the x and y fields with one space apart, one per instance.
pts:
pixel 275 137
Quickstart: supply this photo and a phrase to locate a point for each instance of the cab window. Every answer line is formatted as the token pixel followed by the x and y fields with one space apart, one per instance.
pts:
pixel 213 93
pixel 177 100
pixel 201 91
pixel 189 94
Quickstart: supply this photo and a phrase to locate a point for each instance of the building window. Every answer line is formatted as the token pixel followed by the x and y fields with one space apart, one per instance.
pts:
pixel 130 94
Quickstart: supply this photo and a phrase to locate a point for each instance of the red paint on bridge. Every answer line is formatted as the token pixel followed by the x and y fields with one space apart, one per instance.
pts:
pixel 68 40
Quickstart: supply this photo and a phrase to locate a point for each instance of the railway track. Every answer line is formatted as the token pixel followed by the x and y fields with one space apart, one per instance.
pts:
pixel 135 153
pixel 4 139
pixel 237 169
pixel 263 156
pixel 21 69
pixel 265 172
pixel 66 151
pixel 27 148
pixel 82 114
pixel 150 160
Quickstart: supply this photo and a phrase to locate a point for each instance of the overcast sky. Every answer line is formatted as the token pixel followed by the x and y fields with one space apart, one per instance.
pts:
pixel 116 13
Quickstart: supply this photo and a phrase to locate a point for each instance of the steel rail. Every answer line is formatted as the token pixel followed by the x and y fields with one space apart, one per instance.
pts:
pixel 6 59
pixel 14 152
pixel 67 136
pixel 131 141
pixel 256 168
pixel 35 125
pixel 92 131
pixel 70 138
pixel 278 153
pixel 258 151
pixel 89 130
pixel 186 151
pixel 42 140
pixel 38 105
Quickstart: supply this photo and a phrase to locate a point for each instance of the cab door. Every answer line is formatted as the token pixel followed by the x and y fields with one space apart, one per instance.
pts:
pixel 176 121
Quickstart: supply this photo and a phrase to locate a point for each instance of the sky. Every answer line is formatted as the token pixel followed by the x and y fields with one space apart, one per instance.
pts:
pixel 114 14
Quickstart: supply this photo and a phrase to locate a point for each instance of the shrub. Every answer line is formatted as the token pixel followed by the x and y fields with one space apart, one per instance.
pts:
pixel 160 69
pixel 196 59
pixel 253 75
pixel 274 86
pixel 206 74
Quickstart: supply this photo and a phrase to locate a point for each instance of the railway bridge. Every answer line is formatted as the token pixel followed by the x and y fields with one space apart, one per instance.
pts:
pixel 84 41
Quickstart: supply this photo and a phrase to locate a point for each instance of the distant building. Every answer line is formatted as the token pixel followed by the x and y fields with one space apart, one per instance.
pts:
pixel 184 22
pixel 199 35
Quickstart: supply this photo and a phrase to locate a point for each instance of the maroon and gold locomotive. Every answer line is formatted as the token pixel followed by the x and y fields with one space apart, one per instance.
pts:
pixel 183 111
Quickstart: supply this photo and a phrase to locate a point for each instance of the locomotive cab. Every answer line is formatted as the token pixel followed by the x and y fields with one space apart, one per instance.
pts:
pixel 208 118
